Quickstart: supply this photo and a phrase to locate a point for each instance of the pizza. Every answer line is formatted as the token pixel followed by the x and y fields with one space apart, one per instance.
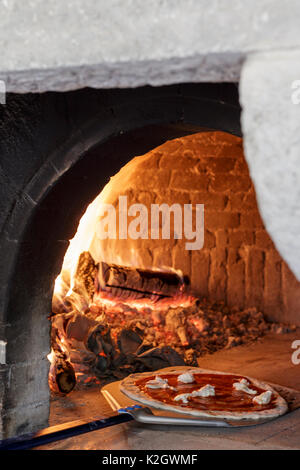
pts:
pixel 205 393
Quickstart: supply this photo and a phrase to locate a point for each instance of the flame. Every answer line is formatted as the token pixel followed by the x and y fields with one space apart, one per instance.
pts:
pixel 51 356
pixel 86 239
pixel 60 286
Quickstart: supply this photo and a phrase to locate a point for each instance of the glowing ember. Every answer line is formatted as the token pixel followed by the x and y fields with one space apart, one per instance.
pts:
pixel 105 299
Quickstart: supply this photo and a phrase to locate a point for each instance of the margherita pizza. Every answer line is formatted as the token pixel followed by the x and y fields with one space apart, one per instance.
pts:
pixel 204 393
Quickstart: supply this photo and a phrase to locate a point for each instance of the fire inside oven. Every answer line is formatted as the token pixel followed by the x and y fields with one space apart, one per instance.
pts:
pixel 167 289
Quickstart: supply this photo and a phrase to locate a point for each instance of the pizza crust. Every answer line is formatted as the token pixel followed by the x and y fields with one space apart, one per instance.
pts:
pixel 129 388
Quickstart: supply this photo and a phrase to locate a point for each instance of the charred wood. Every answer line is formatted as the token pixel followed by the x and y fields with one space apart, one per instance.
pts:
pixel 128 282
pixel 129 341
pixel 158 358
pixel 61 377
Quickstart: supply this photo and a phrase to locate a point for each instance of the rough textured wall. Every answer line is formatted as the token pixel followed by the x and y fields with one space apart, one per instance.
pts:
pixel 239 263
pixel 269 93
pixel 57 45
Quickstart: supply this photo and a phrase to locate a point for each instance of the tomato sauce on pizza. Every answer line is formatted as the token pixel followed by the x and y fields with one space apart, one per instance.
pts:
pixel 226 397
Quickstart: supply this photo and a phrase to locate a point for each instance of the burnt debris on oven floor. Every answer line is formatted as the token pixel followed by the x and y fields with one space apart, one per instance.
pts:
pixel 118 334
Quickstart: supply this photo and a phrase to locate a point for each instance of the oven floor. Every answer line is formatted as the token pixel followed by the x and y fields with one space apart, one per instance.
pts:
pixel 268 359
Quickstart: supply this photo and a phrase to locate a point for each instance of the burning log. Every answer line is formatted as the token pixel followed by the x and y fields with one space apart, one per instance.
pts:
pixel 128 282
pixel 61 377
pixel 66 299
pixel 85 274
